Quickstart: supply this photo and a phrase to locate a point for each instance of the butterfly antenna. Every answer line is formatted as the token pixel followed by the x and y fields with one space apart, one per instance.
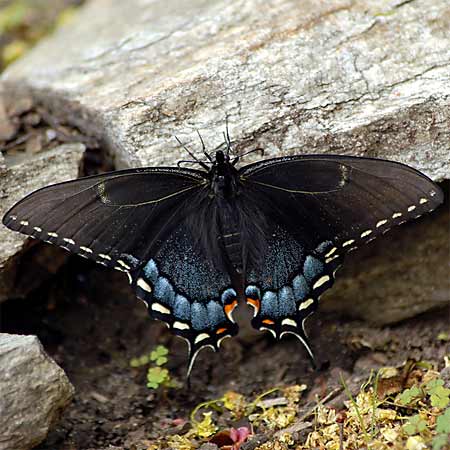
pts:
pixel 186 161
pixel 192 155
pixel 226 135
pixel 238 157
pixel 204 147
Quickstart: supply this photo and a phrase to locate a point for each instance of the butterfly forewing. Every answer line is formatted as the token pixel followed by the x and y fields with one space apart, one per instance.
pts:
pixel 114 218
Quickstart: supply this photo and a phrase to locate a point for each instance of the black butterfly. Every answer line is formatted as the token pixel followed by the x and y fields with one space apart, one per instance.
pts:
pixel 193 242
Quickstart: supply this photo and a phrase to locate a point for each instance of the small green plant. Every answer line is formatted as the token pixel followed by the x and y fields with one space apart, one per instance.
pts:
pixel 439 395
pixel 410 396
pixel 157 376
pixel 415 425
pixel 434 394
pixel 159 355
pixel 443 430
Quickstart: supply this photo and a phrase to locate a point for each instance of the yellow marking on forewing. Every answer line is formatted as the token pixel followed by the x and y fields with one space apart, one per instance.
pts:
pixel 381 223
pixel 70 241
pixel 411 208
pixel 180 325
pixel 347 243
pixel 289 322
pixel 306 304
pixel 24 223
pixel 366 233
pixel 423 200
pixel 101 189
pixel 13 217
pixel 160 308
pixel 397 214
pixel 331 252
pixel 86 249
pixel 37 229
pixel 104 256
pixel 143 285
pixel 201 337
pixel 321 281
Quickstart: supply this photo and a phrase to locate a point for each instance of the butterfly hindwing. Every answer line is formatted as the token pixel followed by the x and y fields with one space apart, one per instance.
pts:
pixel 284 290
pixel 184 289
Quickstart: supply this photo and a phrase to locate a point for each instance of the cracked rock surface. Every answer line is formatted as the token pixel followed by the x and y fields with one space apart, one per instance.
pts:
pixel 33 392
pixel 16 181
pixel 364 78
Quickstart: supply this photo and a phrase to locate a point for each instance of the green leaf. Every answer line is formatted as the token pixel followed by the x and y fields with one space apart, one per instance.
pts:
pixel 443 422
pixel 433 384
pixel 408 395
pixel 439 395
pixel 415 425
pixel 157 376
pixel 161 361
pixel 159 355
pixel 134 362
pixel 440 441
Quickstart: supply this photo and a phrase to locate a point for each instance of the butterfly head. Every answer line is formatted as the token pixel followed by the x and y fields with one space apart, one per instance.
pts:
pixel 222 158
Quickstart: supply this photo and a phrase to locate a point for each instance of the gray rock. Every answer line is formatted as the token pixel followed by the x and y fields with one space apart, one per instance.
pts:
pixel 18 178
pixel 397 276
pixel 33 392
pixel 362 78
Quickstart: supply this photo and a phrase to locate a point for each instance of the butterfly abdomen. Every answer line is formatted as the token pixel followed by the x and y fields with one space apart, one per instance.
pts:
pixel 231 236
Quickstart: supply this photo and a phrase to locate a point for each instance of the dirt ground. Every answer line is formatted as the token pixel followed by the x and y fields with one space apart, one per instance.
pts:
pixel 90 322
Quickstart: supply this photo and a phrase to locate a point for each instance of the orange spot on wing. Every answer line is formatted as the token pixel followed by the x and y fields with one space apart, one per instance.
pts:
pixel 221 330
pixel 268 322
pixel 254 302
pixel 229 309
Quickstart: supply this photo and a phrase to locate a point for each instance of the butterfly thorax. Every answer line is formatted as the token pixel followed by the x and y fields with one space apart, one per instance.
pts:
pixel 224 178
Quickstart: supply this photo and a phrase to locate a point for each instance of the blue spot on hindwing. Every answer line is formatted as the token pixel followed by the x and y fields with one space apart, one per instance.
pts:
pixel 182 308
pixel 253 292
pixel 269 304
pixel 151 271
pixel 286 301
pixel 164 291
pixel 323 247
pixel 215 313
pixel 228 296
pixel 199 316
pixel 300 287
pixel 312 268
